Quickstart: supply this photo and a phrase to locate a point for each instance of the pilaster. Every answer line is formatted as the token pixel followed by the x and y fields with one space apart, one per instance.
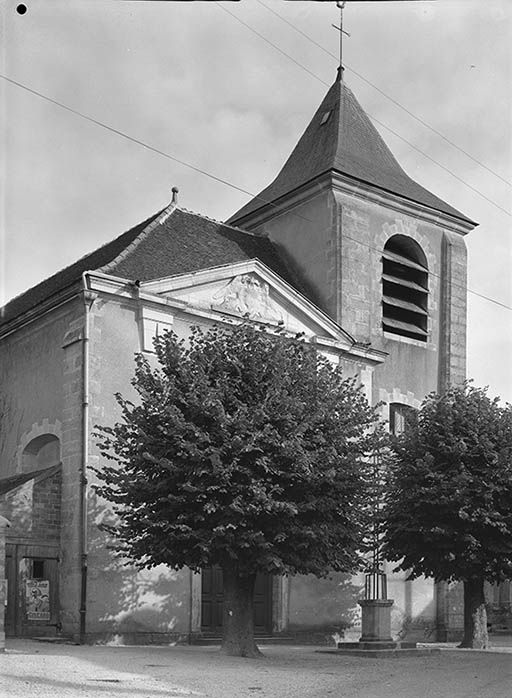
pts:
pixel 70 566
pixel 453 311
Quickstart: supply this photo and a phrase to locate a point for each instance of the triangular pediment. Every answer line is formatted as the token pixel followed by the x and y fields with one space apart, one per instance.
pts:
pixel 250 290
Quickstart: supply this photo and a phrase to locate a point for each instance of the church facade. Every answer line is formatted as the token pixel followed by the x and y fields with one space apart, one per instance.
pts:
pixel 342 246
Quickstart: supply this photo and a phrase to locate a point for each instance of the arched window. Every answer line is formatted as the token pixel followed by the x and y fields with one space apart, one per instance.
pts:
pixel 404 288
pixel 41 452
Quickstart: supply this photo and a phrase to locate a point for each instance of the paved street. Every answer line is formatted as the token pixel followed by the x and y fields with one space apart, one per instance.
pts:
pixel 45 670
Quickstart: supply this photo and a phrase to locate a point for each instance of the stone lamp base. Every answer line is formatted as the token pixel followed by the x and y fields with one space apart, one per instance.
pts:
pixel 376 620
pixel 376 640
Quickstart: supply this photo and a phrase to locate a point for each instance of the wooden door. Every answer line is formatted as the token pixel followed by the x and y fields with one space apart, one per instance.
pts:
pixel 263 603
pixel 32 591
pixel 212 602
pixel 211 599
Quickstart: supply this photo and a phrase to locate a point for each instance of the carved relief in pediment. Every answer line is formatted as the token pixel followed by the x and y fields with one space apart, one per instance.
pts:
pixel 246 294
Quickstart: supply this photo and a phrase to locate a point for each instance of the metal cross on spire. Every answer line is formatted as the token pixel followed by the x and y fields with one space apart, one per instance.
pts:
pixel 341 4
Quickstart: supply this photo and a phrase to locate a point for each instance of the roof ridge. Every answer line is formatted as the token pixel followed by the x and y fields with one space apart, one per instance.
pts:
pixel 223 223
pixel 341 112
pixel 160 218
pixel 348 99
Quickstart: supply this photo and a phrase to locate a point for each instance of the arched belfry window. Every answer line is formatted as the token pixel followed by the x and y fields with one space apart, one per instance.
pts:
pixel 404 288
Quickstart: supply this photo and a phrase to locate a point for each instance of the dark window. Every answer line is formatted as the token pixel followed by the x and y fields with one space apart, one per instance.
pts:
pixel 37 569
pixel 325 117
pixel 404 288
pixel 400 416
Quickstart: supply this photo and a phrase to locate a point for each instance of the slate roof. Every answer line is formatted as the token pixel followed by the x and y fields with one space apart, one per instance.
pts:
pixel 162 245
pixel 188 242
pixel 346 142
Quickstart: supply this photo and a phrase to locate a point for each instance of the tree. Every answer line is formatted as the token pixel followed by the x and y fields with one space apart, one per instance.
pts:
pixel 448 506
pixel 245 450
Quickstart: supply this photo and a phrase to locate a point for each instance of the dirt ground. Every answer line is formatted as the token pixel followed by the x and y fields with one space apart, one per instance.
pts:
pixel 44 670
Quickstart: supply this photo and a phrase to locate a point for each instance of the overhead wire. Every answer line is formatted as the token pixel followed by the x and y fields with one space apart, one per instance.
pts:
pixel 395 133
pixel 123 134
pixel 384 94
pixel 164 154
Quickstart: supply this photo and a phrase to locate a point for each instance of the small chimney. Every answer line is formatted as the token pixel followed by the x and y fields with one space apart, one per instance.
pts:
pixel 174 200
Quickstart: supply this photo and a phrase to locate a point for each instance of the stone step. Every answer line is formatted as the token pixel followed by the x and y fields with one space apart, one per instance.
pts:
pixel 55 639
pixel 382 653
pixel 260 640
pixel 376 645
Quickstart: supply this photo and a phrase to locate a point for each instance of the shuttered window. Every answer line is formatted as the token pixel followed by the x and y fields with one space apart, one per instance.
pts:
pixel 404 288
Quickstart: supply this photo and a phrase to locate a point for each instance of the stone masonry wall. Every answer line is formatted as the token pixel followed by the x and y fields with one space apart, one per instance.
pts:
pixel 34 509
pixel 46 507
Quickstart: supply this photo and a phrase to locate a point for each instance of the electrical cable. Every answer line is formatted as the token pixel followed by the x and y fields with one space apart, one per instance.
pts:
pixel 384 94
pixel 123 134
pixel 446 169
pixel 207 174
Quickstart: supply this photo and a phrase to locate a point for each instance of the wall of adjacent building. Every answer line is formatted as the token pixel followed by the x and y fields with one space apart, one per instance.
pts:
pixel 32 373
pixel 40 374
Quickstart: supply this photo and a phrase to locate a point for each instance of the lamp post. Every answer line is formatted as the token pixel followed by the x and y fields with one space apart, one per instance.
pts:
pixel 376 607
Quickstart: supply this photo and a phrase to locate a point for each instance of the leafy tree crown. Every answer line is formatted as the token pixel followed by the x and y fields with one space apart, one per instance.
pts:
pixel 448 510
pixel 245 448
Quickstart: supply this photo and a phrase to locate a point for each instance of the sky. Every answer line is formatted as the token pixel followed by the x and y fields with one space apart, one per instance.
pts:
pixel 202 82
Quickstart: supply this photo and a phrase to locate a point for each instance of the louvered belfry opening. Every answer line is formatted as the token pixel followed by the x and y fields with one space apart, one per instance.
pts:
pixel 404 288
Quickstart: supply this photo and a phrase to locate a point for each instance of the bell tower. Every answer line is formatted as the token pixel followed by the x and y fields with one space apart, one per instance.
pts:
pixel 381 254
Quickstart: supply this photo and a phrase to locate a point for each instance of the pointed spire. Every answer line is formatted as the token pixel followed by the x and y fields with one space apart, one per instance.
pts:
pixel 341 138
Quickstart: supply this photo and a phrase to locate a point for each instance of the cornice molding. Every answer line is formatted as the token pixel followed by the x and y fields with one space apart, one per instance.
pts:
pixel 41 309
pixel 343 184
pixel 148 296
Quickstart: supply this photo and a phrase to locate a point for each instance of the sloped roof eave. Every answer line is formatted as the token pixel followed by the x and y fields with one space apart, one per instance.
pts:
pixel 341 137
pixel 159 246
pixel 12 482
pixel 238 218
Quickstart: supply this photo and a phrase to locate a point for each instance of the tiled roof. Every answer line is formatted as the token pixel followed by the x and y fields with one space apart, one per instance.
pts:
pixel 162 245
pixel 186 242
pixel 70 275
pixel 341 138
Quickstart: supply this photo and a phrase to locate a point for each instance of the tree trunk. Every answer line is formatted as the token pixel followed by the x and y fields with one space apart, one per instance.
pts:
pixel 475 615
pixel 238 622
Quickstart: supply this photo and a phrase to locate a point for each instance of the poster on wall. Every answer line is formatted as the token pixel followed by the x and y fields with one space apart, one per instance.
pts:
pixel 38 599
